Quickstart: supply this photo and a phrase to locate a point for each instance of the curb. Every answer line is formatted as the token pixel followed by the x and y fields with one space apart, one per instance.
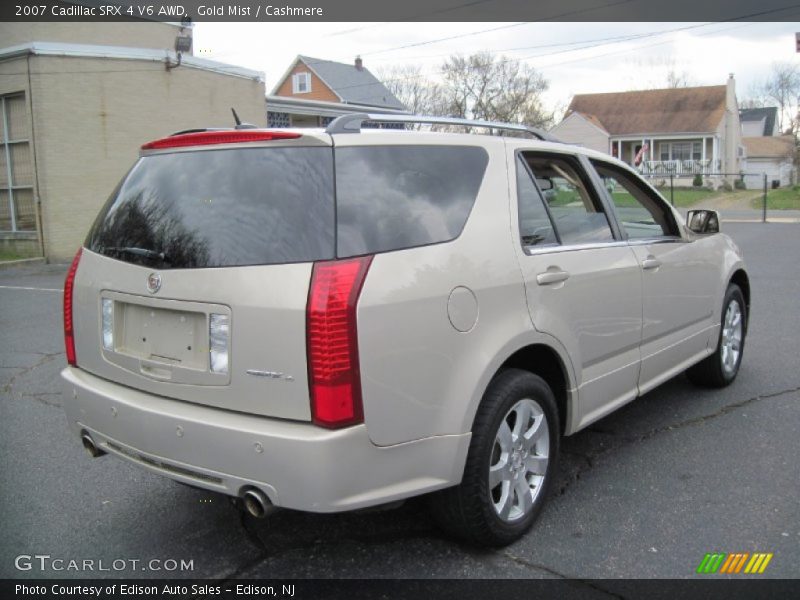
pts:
pixel 22 262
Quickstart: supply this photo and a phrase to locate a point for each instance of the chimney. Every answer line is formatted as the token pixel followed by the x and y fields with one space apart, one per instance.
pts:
pixel 359 64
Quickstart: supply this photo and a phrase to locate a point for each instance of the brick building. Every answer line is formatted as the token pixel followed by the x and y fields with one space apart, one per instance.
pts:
pixel 74 110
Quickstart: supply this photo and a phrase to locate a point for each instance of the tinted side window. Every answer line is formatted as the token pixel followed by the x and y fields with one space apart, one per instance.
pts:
pixel 393 197
pixel 577 213
pixel 217 208
pixel 535 227
pixel 640 215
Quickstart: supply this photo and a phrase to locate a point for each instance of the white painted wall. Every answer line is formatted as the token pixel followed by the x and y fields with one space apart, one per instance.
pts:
pixel 575 129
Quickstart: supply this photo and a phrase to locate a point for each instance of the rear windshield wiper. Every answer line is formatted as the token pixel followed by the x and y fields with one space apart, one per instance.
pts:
pixel 145 252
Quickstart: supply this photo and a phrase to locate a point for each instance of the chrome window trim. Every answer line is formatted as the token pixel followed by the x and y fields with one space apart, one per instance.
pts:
pixel 536 250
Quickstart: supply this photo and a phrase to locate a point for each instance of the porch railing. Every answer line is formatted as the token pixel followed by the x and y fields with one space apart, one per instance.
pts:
pixel 678 168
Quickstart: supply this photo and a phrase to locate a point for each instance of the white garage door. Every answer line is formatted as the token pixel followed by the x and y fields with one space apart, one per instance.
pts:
pixel 775 169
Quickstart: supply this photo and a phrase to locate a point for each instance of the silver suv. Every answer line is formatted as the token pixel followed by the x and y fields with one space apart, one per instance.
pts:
pixel 330 320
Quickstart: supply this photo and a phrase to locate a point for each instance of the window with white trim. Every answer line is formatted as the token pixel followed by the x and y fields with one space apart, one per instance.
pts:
pixel 301 83
pixel 17 209
pixel 688 150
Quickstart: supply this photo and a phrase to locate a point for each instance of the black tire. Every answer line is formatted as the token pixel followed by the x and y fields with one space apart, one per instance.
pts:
pixel 468 509
pixel 712 370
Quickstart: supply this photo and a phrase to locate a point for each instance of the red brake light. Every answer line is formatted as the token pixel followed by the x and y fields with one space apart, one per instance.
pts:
pixel 333 371
pixel 69 334
pixel 205 138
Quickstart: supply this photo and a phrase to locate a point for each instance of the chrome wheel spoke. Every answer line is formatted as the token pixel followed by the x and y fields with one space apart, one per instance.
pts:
pixel 536 464
pixel 534 434
pixel 504 437
pixel 506 501
pixel 498 474
pixel 523 414
pixel 523 493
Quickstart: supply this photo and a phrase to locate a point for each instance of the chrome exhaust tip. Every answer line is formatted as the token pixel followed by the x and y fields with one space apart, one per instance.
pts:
pixel 90 447
pixel 256 503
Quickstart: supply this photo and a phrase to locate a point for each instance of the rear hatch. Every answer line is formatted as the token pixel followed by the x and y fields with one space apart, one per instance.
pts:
pixel 194 280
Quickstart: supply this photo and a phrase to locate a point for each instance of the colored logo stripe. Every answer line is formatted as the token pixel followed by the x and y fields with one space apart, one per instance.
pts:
pixel 711 563
pixel 758 563
pixel 721 562
pixel 735 562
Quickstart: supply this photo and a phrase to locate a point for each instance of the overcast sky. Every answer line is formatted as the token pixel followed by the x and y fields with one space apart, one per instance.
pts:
pixel 573 57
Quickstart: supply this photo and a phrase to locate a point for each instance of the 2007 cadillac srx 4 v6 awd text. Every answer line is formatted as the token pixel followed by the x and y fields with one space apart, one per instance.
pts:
pixel 327 320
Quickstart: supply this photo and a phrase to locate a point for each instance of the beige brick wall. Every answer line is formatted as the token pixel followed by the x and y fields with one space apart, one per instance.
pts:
pixel 91 116
pixel 13 80
pixel 135 35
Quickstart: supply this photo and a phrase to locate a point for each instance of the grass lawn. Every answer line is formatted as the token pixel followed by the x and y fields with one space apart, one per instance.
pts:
pixel 10 255
pixel 787 198
pixel 683 197
pixel 688 196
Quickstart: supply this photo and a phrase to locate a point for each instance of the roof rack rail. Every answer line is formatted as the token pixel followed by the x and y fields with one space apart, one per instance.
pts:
pixel 352 124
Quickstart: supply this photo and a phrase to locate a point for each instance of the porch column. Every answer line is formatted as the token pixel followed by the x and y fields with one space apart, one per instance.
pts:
pixel 703 169
pixel 714 153
pixel 619 149
pixel 652 149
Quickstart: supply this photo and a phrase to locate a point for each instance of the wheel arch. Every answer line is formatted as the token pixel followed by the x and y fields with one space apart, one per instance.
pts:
pixel 740 278
pixel 548 362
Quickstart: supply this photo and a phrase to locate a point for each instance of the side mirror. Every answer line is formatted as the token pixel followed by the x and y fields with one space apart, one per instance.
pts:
pixel 703 221
pixel 544 183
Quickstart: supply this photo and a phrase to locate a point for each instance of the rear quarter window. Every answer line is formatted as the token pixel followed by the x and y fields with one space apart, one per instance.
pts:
pixel 395 197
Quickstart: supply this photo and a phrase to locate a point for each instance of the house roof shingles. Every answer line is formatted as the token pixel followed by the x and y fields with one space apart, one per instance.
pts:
pixel 352 85
pixel 768 114
pixel 769 146
pixel 678 110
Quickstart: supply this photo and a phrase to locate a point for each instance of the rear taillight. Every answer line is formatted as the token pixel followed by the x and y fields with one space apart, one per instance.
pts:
pixel 333 370
pixel 69 333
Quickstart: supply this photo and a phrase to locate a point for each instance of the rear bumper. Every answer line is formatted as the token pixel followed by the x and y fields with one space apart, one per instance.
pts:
pixel 296 465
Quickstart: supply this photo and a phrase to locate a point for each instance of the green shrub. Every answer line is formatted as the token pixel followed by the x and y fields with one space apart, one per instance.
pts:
pixel 739 184
pixel 697 181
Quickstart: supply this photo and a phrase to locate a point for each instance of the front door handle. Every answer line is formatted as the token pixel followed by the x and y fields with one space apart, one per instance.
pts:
pixel 651 262
pixel 549 277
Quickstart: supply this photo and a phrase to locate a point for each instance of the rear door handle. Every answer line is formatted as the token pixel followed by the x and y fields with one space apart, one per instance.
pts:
pixel 651 262
pixel 550 277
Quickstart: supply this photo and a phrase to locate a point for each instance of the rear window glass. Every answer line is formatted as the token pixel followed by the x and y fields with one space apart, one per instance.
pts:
pixel 393 197
pixel 216 208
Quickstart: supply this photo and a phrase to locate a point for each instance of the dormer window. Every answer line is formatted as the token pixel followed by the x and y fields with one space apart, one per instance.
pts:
pixel 301 83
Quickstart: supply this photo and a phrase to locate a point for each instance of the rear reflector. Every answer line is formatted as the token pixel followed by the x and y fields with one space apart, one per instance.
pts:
pixel 333 370
pixel 69 333
pixel 206 138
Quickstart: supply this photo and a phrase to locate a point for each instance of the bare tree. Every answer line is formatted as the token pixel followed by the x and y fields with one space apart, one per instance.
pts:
pixel 658 72
pixel 783 87
pixel 676 79
pixel 755 97
pixel 494 88
pixel 419 95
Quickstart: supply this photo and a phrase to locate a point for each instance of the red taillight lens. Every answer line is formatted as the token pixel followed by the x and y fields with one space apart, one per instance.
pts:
pixel 69 334
pixel 205 138
pixel 333 371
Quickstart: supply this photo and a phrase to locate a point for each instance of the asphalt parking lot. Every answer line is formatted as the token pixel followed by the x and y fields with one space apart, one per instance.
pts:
pixel 643 493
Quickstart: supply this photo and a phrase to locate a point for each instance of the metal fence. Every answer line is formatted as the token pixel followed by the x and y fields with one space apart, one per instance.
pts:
pixel 679 189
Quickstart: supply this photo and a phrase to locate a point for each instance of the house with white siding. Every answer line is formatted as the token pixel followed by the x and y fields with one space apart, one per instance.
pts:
pixel 678 132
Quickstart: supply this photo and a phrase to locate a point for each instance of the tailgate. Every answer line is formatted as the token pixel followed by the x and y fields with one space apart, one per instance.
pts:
pixel 161 343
